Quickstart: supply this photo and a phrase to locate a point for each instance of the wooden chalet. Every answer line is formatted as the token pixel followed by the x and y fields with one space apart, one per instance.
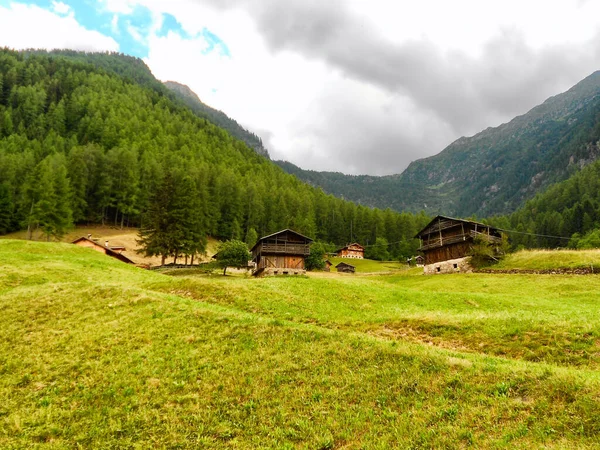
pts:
pixel 446 243
pixel 281 253
pixel 345 268
pixel 353 250
pixel 109 251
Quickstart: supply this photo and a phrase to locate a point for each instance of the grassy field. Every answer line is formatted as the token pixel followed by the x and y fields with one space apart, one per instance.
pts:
pixel 98 354
pixel 550 259
pixel 369 265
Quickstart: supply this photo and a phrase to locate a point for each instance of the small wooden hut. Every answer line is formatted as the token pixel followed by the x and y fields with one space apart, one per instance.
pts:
pixel 109 251
pixel 328 265
pixel 446 243
pixel 281 253
pixel 353 250
pixel 345 268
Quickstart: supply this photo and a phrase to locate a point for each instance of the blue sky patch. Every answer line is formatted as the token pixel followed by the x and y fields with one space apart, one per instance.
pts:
pixel 131 30
pixel 170 23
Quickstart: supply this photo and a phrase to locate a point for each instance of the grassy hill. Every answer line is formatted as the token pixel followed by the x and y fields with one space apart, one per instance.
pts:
pixel 550 259
pixel 126 237
pixel 98 354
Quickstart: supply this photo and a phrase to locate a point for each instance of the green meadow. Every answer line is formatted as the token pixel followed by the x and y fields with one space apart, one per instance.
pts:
pixel 98 354
pixel 551 259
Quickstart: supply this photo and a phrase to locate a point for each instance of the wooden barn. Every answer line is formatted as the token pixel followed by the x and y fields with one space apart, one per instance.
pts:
pixel 354 250
pixel 345 268
pixel 446 243
pixel 328 265
pixel 281 253
pixel 114 252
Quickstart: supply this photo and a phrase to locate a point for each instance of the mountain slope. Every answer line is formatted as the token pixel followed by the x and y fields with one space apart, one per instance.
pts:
pixel 80 143
pixel 493 172
pixel 217 117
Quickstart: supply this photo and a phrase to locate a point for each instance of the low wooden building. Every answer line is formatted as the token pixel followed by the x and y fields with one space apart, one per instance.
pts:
pixel 328 265
pixel 446 243
pixel 109 251
pixel 345 268
pixel 353 250
pixel 281 253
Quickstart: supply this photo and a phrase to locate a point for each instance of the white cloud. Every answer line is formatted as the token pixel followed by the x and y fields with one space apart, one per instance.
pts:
pixel 61 8
pixel 407 78
pixel 353 85
pixel 118 6
pixel 114 24
pixel 136 33
pixel 23 26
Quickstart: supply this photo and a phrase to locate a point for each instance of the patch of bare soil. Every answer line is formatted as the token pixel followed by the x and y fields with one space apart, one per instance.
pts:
pixel 416 336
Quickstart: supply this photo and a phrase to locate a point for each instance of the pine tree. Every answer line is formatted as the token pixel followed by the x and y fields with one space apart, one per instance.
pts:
pixel 6 209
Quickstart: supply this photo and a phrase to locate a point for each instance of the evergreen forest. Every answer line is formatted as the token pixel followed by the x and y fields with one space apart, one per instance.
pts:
pixel 565 215
pixel 94 138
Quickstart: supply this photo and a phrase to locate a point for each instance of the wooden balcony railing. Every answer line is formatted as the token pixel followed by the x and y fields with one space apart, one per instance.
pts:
pixel 285 248
pixel 435 243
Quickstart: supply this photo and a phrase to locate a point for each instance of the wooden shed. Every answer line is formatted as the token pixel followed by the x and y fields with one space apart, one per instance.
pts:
pixel 353 250
pixel 109 251
pixel 281 253
pixel 345 268
pixel 446 243
pixel 328 265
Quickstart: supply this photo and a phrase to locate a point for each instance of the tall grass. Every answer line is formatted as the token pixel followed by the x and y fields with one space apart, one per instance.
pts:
pixel 551 259
pixel 98 354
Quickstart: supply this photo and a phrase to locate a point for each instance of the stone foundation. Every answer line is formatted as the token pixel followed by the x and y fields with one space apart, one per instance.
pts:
pixel 271 271
pixel 451 266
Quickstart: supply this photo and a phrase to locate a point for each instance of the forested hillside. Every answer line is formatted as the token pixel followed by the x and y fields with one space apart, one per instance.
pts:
pixel 570 209
pixel 219 118
pixel 493 172
pixel 84 140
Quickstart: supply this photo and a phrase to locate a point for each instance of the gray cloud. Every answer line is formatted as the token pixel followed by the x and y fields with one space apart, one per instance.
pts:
pixel 458 93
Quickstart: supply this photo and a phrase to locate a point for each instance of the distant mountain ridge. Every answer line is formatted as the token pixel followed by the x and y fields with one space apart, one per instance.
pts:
pixel 216 117
pixel 492 172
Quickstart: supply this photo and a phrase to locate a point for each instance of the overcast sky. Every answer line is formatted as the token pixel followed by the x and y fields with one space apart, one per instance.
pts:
pixel 356 86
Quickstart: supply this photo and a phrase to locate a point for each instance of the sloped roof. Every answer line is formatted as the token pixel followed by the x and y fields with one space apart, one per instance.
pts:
pixel 107 250
pixel 287 230
pixel 343 264
pixel 350 245
pixel 418 235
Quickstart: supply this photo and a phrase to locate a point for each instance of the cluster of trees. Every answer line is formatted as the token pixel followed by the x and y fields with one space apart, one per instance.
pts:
pixel 566 215
pixel 80 143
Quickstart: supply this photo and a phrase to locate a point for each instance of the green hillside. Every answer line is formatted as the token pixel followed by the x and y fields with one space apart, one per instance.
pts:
pixel 217 117
pixel 493 172
pixel 566 214
pixel 94 138
pixel 98 354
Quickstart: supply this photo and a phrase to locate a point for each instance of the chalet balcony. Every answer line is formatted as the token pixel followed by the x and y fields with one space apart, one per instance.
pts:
pixel 284 249
pixel 435 243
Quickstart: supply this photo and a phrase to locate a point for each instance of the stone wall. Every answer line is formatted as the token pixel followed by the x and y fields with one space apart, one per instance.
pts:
pixel 451 266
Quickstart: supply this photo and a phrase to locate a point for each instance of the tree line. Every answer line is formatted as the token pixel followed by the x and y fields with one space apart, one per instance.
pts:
pixel 82 144
pixel 566 215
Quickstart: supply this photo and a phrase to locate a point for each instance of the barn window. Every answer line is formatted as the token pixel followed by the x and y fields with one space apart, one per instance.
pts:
pixel 455 266
pixel 438 269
